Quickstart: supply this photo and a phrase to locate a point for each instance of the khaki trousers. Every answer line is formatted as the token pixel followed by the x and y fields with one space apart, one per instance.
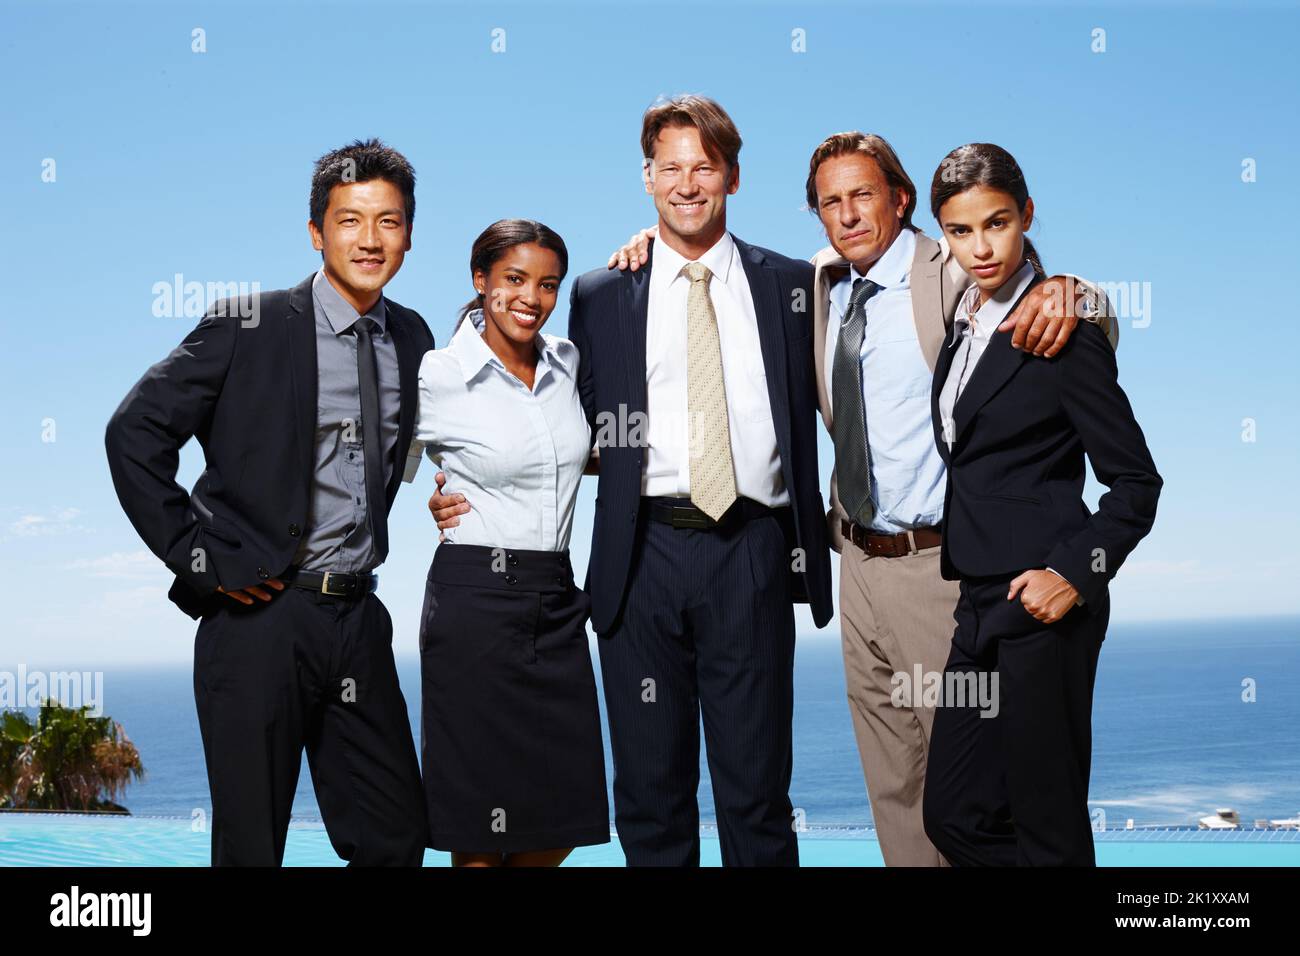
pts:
pixel 895 613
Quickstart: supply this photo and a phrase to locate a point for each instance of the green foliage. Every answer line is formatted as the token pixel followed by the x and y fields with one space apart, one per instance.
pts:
pixel 64 760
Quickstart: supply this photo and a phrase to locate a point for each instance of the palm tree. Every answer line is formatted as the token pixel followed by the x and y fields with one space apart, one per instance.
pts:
pixel 66 760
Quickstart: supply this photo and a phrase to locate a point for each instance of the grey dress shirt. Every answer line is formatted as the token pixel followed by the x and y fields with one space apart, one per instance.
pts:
pixel 337 537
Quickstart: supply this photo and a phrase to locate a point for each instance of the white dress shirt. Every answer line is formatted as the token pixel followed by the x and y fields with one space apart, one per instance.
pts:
pixel 907 471
pixel 516 454
pixel 667 470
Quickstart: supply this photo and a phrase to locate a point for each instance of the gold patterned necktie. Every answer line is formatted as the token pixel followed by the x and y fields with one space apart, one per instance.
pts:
pixel 713 477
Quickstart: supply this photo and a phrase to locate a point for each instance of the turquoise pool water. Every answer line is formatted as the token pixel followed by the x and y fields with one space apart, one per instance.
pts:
pixel 77 840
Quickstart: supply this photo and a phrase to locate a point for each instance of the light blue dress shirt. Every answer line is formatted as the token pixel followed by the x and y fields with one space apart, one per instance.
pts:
pixel 516 454
pixel 907 472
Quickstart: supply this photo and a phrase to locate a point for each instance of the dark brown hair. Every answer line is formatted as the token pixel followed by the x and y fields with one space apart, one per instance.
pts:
pixel 502 236
pixel 869 144
pixel 982 164
pixel 718 134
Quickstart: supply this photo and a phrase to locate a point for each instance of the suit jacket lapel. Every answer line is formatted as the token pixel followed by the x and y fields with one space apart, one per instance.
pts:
pixel 765 290
pixel 929 313
pixel 829 267
pixel 998 363
pixel 303 371
pixel 409 355
pixel 634 310
pixel 943 365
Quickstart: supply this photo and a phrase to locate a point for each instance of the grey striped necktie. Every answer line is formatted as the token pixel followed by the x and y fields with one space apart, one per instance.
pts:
pixel 849 427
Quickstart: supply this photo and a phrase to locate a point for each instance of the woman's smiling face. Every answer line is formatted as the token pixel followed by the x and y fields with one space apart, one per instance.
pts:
pixel 519 292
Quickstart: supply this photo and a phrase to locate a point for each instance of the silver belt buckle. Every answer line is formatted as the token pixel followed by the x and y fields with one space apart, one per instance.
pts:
pixel 325 586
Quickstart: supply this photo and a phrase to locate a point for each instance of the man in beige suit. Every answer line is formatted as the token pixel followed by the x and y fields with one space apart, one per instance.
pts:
pixel 896 611
pixel 899 289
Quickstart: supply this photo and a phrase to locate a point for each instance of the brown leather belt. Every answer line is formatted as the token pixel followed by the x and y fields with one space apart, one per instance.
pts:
pixel 891 545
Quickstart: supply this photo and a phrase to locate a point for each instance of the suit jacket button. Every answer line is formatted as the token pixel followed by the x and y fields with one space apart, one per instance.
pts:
pixel 263 573
pixel 294 531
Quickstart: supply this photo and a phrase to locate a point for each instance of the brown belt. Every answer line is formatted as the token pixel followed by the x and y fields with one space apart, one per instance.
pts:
pixel 891 545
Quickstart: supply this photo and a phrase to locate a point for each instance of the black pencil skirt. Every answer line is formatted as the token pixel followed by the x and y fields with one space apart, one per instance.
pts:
pixel 511 741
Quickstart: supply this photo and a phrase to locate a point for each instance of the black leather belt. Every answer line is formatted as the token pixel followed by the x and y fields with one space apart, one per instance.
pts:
pixel 339 584
pixel 680 513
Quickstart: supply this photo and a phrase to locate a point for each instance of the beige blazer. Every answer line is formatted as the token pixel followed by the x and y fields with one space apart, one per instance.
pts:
pixel 937 283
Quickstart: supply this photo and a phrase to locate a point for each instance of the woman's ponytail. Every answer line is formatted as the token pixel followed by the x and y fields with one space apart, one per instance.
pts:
pixel 1032 255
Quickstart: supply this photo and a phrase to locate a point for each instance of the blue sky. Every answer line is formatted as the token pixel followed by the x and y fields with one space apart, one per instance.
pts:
pixel 169 161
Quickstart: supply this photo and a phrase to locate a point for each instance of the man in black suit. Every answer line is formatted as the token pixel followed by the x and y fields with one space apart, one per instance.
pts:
pixel 697 376
pixel 709 520
pixel 303 401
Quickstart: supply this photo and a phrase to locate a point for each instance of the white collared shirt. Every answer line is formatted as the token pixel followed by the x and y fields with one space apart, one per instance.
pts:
pixel 516 454
pixel 667 470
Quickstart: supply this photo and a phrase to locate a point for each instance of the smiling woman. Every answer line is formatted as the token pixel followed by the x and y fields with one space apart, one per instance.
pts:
pixel 523 263
pixel 503 647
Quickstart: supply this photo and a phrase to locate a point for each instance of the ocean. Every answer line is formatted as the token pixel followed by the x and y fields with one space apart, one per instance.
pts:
pixel 1173 738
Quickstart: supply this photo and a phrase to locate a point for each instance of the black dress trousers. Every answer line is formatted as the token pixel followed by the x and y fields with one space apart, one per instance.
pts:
pixel 306 670
pixel 512 752
pixel 706 636
pixel 1012 789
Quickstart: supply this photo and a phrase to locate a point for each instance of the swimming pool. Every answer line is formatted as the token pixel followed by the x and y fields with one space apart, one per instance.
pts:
pixel 56 839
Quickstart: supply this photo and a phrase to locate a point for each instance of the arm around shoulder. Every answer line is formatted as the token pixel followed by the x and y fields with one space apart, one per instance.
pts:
pixel 582 342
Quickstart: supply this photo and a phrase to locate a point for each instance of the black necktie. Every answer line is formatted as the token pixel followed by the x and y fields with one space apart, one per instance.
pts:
pixel 849 426
pixel 372 451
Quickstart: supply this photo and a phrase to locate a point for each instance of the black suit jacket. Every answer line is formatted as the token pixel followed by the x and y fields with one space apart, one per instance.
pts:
pixel 607 322
pixel 1022 425
pixel 248 394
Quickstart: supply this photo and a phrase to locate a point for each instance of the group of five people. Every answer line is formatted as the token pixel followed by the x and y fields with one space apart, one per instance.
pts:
pixel 961 392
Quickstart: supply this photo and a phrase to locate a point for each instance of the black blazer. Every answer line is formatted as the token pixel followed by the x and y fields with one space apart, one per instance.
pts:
pixel 607 322
pixel 248 394
pixel 1014 499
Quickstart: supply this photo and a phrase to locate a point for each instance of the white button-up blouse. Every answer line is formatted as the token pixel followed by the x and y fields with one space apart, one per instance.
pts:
pixel 516 454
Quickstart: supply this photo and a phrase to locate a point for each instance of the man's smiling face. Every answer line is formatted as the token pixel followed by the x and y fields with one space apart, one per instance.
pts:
pixel 690 187
pixel 364 237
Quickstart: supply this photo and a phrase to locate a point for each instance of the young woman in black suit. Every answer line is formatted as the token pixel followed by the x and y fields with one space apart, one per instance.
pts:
pixel 1007 777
